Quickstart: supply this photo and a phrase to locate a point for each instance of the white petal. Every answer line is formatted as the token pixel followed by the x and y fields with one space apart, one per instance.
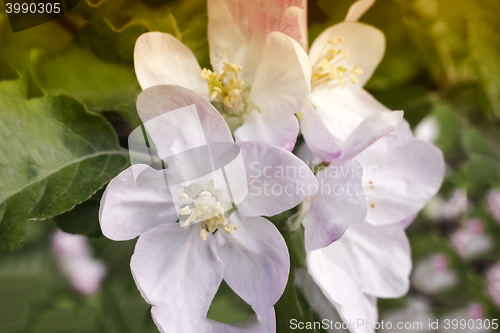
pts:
pixel 277 180
pixel 161 58
pixel 178 119
pixel 237 30
pixel 317 136
pixel 175 267
pixel 378 259
pixel 357 10
pixel 341 289
pixel 366 45
pixel 343 110
pixel 282 82
pixel 404 174
pixel 130 207
pixel 368 131
pixel 256 260
pixel 274 129
pixel 339 203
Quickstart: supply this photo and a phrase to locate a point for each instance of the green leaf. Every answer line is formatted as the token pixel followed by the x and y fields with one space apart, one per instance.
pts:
pixel 100 85
pixel 54 155
pixel 83 219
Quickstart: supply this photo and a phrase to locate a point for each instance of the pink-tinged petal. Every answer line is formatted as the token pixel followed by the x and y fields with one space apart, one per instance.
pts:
pixel 378 259
pixel 494 204
pixel 256 260
pixel 366 45
pixel 277 180
pixel 342 290
pixel 161 58
pixel 175 267
pixel 274 129
pixel 317 136
pixel 343 110
pixel 340 202
pixel 409 220
pixel 237 30
pixel 282 81
pixel 131 205
pixel 357 10
pixel 368 131
pixel 401 175
pixel 178 119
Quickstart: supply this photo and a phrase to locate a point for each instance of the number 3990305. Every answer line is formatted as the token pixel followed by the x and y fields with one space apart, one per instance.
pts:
pixel 41 8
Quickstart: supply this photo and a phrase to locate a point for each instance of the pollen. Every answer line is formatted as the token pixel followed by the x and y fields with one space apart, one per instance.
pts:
pixel 328 72
pixel 230 228
pixel 373 205
pixel 203 234
pixel 225 87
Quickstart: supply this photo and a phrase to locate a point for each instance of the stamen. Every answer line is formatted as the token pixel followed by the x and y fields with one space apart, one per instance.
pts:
pixel 203 234
pixel 183 197
pixel 327 73
pixel 225 87
pixel 185 210
pixel 230 228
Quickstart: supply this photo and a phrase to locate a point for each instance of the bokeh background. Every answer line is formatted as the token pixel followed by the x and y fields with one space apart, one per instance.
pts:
pixel 442 67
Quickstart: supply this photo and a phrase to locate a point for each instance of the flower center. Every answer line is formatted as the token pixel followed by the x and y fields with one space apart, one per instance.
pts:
pixel 209 210
pixel 225 87
pixel 327 71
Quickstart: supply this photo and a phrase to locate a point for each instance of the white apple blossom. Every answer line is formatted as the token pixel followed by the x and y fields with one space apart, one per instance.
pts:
pixel 261 76
pixel 400 173
pixel 367 263
pixel 178 269
pixel 76 262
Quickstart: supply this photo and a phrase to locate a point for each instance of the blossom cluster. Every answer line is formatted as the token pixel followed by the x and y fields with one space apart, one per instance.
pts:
pixel 222 154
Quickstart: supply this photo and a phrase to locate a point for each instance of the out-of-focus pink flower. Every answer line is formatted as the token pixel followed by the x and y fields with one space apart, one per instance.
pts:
pixel 494 204
pixel 473 311
pixel 433 274
pixel 493 277
pixel 471 241
pixel 75 260
pixel 440 209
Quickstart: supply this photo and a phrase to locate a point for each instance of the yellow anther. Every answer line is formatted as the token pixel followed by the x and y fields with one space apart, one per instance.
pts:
pixel 336 40
pixel 221 221
pixel 353 79
pixel 205 194
pixel 328 70
pixel 203 234
pixel 185 210
pixel 230 228
pixel 212 224
pixel 186 227
pixel 357 70
pixel 373 205
pixel 225 87
pixel 183 197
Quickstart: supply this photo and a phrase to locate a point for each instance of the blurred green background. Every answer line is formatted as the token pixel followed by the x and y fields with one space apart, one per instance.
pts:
pixel 442 61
